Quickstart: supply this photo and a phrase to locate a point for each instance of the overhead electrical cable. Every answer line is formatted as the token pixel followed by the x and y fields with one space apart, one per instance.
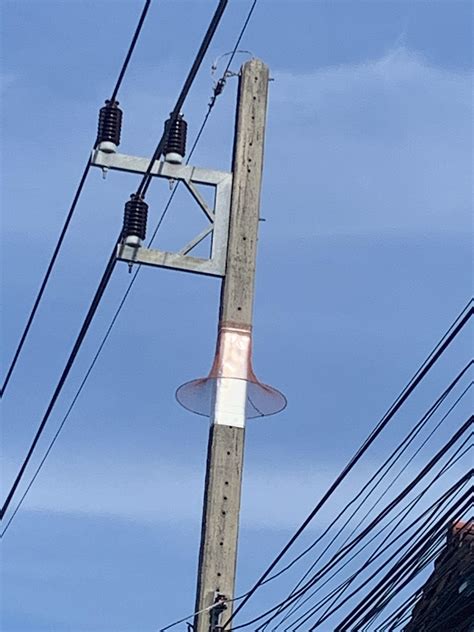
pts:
pixel 388 464
pixel 348 548
pixel 411 557
pixel 147 177
pixel 400 516
pixel 396 501
pixel 72 356
pixel 440 348
pixel 410 544
pixel 366 582
pixel 414 552
pixel 410 460
pixel 426 515
pixel 131 48
pixel 437 506
pixel 373 477
pixel 111 264
pixel 121 304
pixel 395 618
pixel 91 366
pixel 72 209
pixel 343 587
pixel 403 580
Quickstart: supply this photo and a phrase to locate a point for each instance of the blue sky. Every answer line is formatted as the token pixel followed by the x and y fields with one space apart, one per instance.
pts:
pixel 364 260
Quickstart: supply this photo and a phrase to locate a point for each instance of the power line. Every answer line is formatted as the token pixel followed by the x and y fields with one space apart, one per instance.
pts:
pixel 381 516
pixel 408 439
pixel 443 344
pixel 404 444
pixel 409 542
pixel 100 291
pixel 72 208
pixel 409 559
pixel 342 552
pixel 147 177
pixel 430 511
pixel 400 516
pixel 413 554
pixel 72 356
pixel 404 610
pixel 432 409
pixel 129 54
pixel 410 460
pixel 89 370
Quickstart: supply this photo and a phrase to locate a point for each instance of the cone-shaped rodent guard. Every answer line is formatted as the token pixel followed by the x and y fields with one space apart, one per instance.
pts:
pixel 232 365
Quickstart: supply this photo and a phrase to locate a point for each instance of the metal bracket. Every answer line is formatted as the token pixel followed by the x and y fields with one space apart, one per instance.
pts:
pixel 218 216
pixel 215 616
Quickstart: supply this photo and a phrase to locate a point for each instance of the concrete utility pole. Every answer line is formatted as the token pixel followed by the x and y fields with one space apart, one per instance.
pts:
pixel 220 523
pixel 235 392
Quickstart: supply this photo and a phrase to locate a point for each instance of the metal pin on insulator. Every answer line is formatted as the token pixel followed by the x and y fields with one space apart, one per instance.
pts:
pixel 175 143
pixel 134 221
pixel 109 127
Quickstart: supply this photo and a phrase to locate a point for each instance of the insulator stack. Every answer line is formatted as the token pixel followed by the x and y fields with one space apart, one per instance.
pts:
pixel 109 127
pixel 134 221
pixel 175 144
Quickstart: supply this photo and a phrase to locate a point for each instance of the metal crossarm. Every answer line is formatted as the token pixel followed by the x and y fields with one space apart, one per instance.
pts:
pixel 218 216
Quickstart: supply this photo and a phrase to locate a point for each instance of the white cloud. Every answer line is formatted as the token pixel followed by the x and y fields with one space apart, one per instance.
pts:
pixel 383 146
pixel 171 495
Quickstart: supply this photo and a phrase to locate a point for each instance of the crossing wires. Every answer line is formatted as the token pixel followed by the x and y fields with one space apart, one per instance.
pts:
pixel 72 208
pixel 109 268
pixel 441 347
pixel 122 302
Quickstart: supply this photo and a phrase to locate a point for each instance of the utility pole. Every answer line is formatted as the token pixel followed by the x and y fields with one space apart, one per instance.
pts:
pixel 231 393
pixel 220 522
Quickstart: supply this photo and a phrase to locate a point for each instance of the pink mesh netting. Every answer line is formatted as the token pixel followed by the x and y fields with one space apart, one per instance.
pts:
pixel 232 362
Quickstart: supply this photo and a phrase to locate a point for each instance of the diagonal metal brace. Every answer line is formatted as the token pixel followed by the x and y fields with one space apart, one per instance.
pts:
pixel 218 216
